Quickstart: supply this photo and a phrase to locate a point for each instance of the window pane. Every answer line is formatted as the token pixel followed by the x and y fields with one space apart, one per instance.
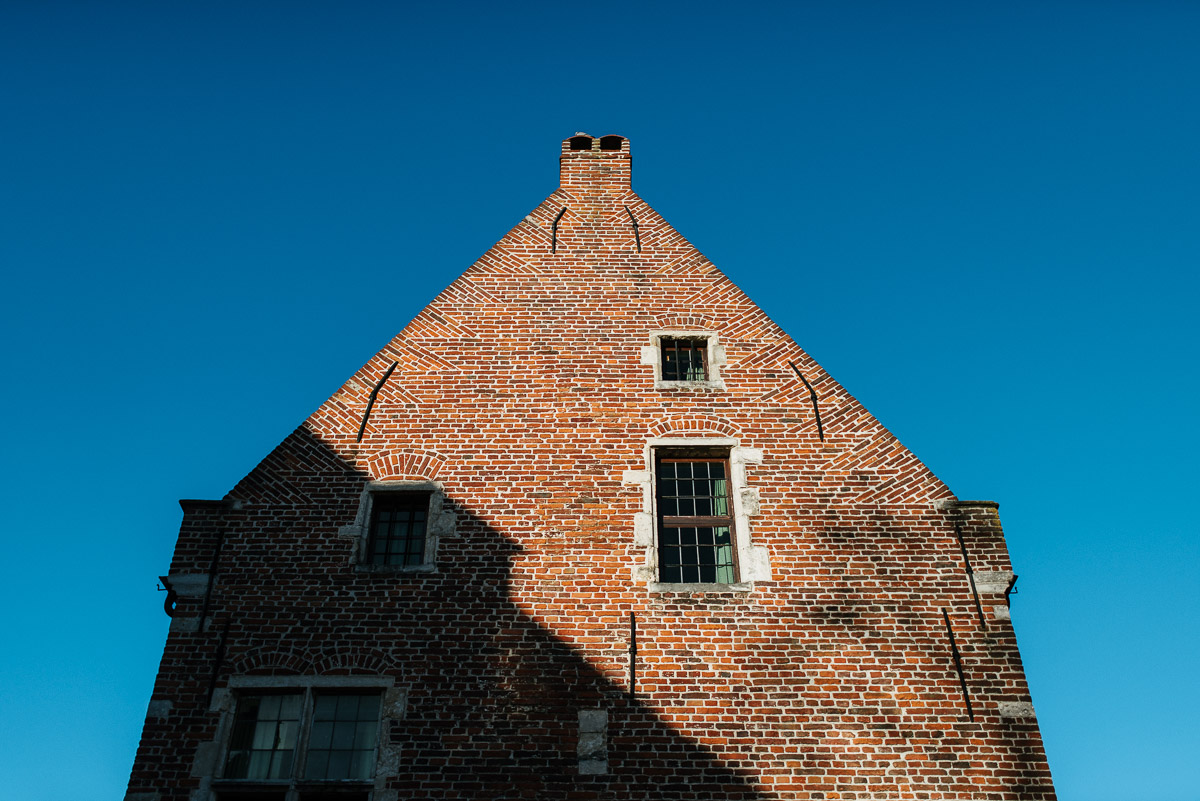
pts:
pixel 368 707
pixel 705 554
pixel 339 765
pixel 322 735
pixel 398 528
pixel 365 733
pixel 362 765
pixel 268 707
pixel 264 734
pixel 342 745
pixel 343 735
pixel 318 764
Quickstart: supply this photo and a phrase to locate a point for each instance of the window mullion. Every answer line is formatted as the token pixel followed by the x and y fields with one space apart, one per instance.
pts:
pixel 300 763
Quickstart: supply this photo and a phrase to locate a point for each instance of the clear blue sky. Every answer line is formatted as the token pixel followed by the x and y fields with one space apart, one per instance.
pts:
pixel 981 218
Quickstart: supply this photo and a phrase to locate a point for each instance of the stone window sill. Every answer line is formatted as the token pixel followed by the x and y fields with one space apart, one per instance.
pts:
pixel 394 570
pixel 690 386
pixel 738 587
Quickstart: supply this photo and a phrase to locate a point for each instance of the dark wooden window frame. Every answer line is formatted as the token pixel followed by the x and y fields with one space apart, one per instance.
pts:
pixel 665 522
pixel 390 502
pixel 238 787
pixel 693 344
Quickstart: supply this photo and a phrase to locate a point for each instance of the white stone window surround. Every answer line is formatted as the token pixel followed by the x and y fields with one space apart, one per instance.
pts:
pixel 439 523
pixel 211 757
pixel 652 355
pixel 753 560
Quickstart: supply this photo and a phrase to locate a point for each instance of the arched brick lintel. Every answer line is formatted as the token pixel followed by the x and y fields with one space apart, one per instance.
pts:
pixel 694 424
pixel 411 464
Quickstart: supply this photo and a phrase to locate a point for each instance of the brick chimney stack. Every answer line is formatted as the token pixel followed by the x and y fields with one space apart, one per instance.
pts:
pixel 597 165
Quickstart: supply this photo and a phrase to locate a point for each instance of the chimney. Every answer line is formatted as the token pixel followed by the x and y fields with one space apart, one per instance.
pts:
pixel 594 165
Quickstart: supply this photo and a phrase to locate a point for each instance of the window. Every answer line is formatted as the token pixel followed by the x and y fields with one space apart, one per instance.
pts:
pixel 695 517
pixel 398 528
pixel 684 359
pixel 336 732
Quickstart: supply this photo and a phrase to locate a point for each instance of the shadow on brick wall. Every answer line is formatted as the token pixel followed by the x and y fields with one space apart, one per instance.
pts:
pixel 493 697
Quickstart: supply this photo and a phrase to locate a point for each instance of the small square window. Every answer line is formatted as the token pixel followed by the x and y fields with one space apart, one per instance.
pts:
pixel 695 518
pixel 684 359
pixel 398 528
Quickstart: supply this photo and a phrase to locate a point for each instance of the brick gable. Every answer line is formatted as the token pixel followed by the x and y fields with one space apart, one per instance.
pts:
pixel 523 392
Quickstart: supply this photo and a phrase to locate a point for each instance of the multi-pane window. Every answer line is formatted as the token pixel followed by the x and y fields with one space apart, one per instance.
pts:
pixel 695 519
pixel 398 523
pixel 343 738
pixel 337 732
pixel 684 359
pixel 263 745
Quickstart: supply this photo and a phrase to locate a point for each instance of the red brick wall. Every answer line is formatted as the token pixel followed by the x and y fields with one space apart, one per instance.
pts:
pixel 520 388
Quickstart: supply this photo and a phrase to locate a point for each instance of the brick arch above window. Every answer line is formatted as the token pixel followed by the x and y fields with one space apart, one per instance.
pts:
pixel 271 661
pixel 343 661
pixel 691 320
pixel 408 463
pixel 692 424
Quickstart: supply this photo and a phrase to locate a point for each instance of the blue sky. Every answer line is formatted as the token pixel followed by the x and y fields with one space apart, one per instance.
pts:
pixel 981 218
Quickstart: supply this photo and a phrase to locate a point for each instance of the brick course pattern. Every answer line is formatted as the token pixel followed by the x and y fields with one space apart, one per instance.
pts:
pixel 522 392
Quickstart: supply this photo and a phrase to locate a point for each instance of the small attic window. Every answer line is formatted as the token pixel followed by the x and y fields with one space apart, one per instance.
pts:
pixel 581 143
pixel 611 142
pixel 684 359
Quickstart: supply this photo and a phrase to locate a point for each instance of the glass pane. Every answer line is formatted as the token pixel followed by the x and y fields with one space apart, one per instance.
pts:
pixel 362 765
pixel 318 763
pixel 365 733
pixel 339 765
pixel 260 765
pixel 281 765
pixel 343 735
pixel 368 707
pixel 264 736
pixel 289 708
pixel 322 734
pixel 268 707
pixel 239 763
pixel 243 734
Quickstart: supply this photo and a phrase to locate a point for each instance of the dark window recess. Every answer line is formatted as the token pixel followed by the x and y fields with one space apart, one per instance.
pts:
pixel 340 733
pixel 263 744
pixel 581 143
pixel 398 521
pixel 695 520
pixel 342 743
pixel 611 142
pixel 684 359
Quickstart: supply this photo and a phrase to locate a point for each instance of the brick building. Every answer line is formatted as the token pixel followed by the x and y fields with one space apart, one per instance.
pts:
pixel 590 527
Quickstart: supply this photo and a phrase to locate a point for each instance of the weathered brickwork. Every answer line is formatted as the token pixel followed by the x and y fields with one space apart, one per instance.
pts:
pixel 521 391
